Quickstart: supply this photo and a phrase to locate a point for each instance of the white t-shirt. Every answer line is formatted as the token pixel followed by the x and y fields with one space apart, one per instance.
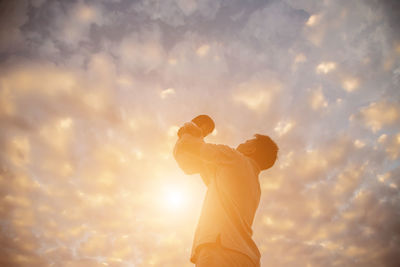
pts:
pixel 232 198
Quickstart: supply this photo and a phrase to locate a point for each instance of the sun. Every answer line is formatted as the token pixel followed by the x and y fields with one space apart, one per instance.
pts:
pixel 174 199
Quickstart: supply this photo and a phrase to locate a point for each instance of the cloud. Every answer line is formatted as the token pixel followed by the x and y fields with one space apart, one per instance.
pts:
pixel 166 11
pixel 25 78
pixel 92 94
pixel 259 92
pixel 13 16
pixel 393 147
pixel 142 51
pixel 255 99
pixel 317 99
pixel 193 63
pixel 37 3
pixel 187 6
pixel 19 150
pixel 283 127
pixel 350 84
pixel 325 67
pixel 312 20
pixel 165 93
pixel 309 6
pixel 203 50
pixel 72 22
pixel 102 69
pixel 379 114
pixel 271 25
pixel 175 12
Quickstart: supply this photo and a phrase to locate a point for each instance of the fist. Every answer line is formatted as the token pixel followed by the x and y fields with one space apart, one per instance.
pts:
pixel 190 128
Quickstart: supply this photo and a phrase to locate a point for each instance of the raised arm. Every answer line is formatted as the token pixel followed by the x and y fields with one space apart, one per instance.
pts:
pixel 186 153
pixel 192 153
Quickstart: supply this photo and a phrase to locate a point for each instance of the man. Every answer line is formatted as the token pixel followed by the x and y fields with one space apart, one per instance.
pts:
pixel 223 234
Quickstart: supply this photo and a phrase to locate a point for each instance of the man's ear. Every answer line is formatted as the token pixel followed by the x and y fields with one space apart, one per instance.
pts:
pixel 253 149
pixel 249 150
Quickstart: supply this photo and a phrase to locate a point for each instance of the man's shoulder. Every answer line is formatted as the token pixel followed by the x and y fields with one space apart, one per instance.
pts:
pixel 227 149
pixel 229 152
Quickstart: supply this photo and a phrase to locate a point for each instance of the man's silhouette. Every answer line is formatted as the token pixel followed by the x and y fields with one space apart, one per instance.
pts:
pixel 224 236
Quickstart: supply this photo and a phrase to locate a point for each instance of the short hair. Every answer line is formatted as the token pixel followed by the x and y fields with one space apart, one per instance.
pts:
pixel 266 151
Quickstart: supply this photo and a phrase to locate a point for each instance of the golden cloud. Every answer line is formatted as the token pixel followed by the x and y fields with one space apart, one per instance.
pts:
pixel 380 114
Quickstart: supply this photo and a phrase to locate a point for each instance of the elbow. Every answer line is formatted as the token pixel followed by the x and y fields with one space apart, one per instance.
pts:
pixel 190 172
pixel 187 164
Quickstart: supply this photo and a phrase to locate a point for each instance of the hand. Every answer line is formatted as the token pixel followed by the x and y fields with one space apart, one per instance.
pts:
pixel 190 128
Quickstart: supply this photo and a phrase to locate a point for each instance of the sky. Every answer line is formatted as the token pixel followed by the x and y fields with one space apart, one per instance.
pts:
pixel 92 94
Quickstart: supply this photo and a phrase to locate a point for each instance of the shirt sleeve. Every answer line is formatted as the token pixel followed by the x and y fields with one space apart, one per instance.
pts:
pixel 194 147
pixel 185 155
pixel 217 154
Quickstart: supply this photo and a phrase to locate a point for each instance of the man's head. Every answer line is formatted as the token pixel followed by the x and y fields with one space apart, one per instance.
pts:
pixel 262 149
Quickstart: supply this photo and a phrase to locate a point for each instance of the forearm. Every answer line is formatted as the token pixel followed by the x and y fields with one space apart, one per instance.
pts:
pixel 190 144
pixel 193 150
pixel 186 153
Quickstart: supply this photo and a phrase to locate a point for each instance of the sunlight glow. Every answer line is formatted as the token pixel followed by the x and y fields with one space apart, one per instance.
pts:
pixel 312 20
pixel 318 99
pixel 382 138
pixel 379 114
pixel 359 144
pixel 350 84
pixel 203 50
pixel 173 130
pixel 325 67
pixel 253 99
pixel 383 177
pixel 86 13
pixel 167 92
pixel 283 127
pixel 398 138
pixel 65 123
pixel 300 58
pixel 174 199
pixel 92 97
pixel 172 61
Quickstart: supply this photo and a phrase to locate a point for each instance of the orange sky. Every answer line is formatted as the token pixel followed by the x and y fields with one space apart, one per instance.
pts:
pixel 92 94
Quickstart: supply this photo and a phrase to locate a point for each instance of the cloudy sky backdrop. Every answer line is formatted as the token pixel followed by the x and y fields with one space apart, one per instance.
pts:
pixel 93 92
